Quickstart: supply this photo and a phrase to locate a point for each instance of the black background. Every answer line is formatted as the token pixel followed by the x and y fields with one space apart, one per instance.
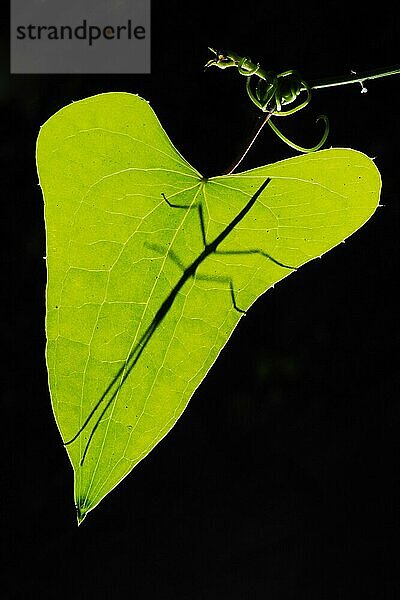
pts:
pixel 280 480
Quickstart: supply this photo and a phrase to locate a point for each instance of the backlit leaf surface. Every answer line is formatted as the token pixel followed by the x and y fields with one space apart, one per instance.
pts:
pixel 116 250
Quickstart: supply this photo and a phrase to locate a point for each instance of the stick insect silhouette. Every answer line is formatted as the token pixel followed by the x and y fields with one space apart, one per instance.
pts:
pixel 190 271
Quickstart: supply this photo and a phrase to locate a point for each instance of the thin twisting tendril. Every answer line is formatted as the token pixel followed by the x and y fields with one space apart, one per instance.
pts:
pixel 270 92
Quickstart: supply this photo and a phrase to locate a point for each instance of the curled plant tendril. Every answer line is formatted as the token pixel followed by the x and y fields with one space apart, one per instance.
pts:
pixel 271 92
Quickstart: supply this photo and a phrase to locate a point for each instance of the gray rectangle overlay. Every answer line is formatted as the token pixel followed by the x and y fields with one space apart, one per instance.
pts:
pixel 71 36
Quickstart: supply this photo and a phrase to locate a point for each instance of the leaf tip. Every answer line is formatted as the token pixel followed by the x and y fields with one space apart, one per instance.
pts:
pixel 80 519
pixel 81 512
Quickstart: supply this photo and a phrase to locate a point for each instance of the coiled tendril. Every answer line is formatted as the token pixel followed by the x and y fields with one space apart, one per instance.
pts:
pixel 270 92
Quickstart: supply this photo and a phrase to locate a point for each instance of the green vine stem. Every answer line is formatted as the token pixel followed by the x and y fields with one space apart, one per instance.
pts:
pixel 272 93
pixel 361 79
pixel 231 59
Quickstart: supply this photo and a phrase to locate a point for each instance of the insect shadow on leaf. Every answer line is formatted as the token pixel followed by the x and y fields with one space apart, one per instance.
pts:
pixel 118 380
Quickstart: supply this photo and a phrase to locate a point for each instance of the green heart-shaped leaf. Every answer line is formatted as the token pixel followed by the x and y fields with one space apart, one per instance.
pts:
pixel 150 267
